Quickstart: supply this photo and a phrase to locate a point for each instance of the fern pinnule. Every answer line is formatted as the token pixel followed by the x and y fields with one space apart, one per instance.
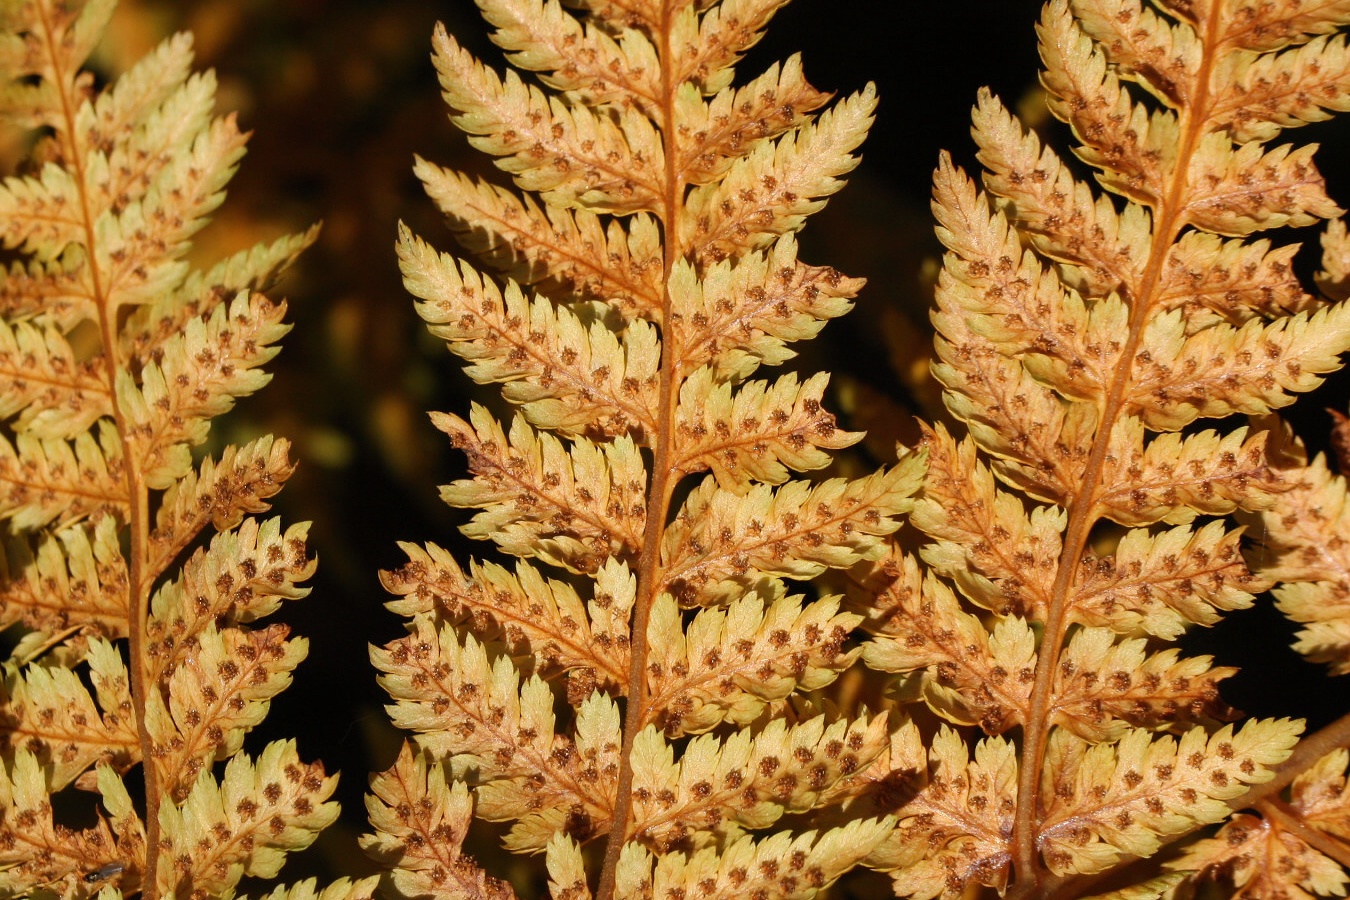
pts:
pixel 654 223
pixel 141 647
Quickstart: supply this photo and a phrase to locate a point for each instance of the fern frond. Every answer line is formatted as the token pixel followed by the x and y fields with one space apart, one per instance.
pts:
pixel 35 214
pixel 76 577
pixel 773 190
pixel 567 153
pixel 994 396
pixel 474 712
pixel 758 433
pixel 737 317
pixel 1161 582
pixel 1232 279
pixel 54 395
pixel 985 541
pixel 581 60
pixel 1321 793
pixel 655 220
pixel 968 675
pixel 241 482
pixel 1304 538
pixel 115 355
pixel 1293 838
pixel 53 480
pixel 1335 274
pixel 1057 211
pixel 748 780
pixel 591 761
pixel 1274 27
pixel 35 101
pixel 47 288
pixel 1260 858
pixel 1106 686
pixel 203 370
pixel 1247 189
pixel 1284 90
pixel 341 889
pixel 217 695
pixel 1175 478
pixel 955 830
pixel 253 271
pixel 1081 335
pixel 49 713
pixel 36 850
pixel 1145 47
pixel 1132 148
pixel 735 121
pixel 1019 306
pixel 139 93
pixel 713 43
pixel 243 575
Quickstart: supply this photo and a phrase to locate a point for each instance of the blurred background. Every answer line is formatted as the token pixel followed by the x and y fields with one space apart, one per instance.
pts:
pixel 340 94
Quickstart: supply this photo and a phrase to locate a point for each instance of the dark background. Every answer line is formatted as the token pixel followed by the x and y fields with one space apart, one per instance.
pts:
pixel 340 95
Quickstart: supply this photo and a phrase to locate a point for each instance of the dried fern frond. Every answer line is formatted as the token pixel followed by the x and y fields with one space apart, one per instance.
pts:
pixel 115 355
pixel 649 269
pixel 1078 526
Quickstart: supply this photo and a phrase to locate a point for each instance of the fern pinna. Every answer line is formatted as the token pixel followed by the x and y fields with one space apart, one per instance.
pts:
pixel 140 647
pixel 647 270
